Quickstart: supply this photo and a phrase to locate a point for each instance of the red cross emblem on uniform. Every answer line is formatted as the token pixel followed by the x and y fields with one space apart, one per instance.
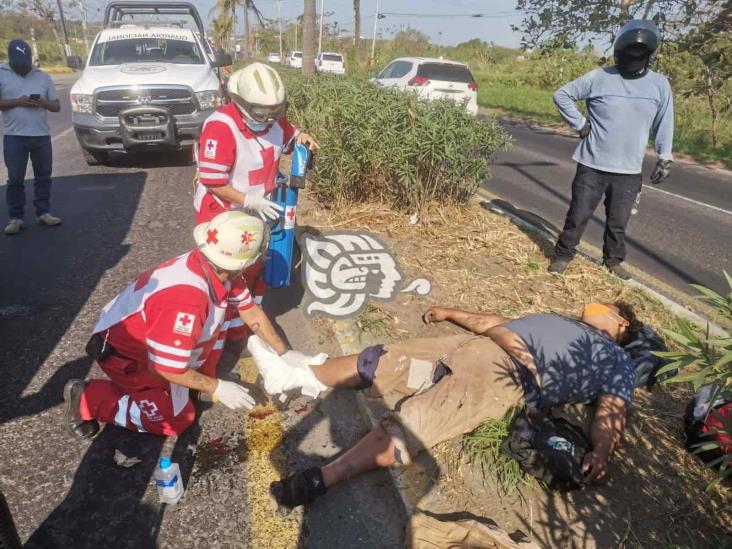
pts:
pixel 266 173
pixel 247 238
pixel 291 214
pixel 148 408
pixel 185 320
pixel 211 237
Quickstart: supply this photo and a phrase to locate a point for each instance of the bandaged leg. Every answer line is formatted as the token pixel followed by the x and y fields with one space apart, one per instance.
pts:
pixel 282 375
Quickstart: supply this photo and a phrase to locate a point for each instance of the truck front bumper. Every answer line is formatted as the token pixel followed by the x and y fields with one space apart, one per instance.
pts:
pixel 178 132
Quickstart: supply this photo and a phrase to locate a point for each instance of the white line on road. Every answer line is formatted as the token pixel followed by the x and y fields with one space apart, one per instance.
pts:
pixel 711 207
pixel 64 133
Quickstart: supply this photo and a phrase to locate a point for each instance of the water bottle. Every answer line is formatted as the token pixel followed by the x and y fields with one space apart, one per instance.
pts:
pixel 300 159
pixel 168 481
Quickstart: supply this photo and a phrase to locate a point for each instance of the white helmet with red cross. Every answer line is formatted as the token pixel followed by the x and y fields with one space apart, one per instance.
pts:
pixel 232 240
pixel 259 92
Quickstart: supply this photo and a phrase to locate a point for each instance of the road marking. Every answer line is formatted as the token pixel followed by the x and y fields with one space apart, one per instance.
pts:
pixel 704 204
pixel 63 134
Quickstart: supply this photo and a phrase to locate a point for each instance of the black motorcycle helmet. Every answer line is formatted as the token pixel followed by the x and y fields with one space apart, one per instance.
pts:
pixel 635 47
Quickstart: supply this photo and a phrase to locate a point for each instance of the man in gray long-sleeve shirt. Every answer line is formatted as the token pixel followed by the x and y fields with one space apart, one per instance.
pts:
pixel 625 103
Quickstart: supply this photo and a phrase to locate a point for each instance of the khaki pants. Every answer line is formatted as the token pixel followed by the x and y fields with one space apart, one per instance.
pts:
pixel 425 532
pixel 483 385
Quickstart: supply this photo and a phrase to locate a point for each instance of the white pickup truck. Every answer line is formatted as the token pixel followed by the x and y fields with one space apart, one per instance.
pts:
pixel 145 84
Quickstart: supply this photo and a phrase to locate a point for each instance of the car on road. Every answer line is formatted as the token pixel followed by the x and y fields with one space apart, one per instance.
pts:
pixel 145 84
pixel 432 78
pixel 294 59
pixel 330 62
pixel 274 58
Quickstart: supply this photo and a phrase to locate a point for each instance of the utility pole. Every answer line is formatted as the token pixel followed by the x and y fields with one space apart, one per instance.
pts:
pixel 320 37
pixel 296 25
pixel 247 43
pixel 279 24
pixel 82 3
pixel 67 48
pixel 34 45
pixel 373 41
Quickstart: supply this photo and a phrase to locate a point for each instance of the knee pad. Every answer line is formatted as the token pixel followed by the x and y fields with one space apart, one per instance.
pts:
pixel 366 364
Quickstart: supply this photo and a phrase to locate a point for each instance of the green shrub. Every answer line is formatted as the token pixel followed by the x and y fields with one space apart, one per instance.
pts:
pixel 380 144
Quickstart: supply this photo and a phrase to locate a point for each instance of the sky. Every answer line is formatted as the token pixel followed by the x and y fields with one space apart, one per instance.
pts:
pixel 495 27
pixel 441 30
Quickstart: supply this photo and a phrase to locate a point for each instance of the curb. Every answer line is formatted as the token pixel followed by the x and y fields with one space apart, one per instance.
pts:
pixel 347 343
pixel 677 308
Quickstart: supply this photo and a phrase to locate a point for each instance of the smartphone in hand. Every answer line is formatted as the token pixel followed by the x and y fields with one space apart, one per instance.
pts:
pixel 35 96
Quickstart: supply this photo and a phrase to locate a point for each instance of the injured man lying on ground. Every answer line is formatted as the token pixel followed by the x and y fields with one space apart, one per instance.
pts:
pixel 453 384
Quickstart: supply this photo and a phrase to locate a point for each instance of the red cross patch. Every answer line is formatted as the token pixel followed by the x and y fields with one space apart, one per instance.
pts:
pixel 184 323
pixel 266 174
pixel 211 237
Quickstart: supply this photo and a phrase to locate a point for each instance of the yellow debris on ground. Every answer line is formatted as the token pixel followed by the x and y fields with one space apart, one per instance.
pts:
pixel 263 431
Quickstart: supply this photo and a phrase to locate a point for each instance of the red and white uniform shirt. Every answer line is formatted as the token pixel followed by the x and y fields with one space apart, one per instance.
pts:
pixel 172 318
pixel 232 154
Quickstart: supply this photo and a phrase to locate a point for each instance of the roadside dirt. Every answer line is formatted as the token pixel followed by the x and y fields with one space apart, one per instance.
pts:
pixel 479 261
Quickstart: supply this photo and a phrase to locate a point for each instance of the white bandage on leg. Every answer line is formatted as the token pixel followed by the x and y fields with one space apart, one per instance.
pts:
pixel 287 372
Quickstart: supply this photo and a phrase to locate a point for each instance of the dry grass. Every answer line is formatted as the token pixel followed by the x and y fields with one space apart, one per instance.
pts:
pixel 480 261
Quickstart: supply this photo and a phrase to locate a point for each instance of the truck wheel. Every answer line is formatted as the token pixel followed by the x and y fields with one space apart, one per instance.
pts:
pixel 94 158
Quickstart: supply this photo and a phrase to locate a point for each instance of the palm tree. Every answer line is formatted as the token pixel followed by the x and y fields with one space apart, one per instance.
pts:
pixel 308 38
pixel 225 13
pixel 357 25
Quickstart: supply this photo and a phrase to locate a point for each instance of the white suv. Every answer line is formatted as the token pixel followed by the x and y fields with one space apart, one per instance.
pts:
pixel 330 62
pixel 432 78
pixel 294 59
pixel 145 85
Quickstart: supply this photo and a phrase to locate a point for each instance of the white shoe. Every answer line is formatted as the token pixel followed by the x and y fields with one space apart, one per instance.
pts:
pixel 14 226
pixel 49 220
pixel 280 376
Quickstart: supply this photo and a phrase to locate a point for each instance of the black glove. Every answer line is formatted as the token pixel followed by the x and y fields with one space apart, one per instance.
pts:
pixel 661 171
pixel 585 130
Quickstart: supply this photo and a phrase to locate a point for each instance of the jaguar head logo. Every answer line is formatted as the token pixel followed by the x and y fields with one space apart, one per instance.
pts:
pixel 342 271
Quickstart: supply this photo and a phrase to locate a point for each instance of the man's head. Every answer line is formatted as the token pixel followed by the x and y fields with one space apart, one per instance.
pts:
pixel 20 57
pixel 232 241
pixel 617 320
pixel 259 93
pixel 634 48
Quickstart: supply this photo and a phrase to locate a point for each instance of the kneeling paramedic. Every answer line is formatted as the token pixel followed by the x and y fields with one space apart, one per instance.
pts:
pixel 162 336
pixel 238 159
pixel 453 384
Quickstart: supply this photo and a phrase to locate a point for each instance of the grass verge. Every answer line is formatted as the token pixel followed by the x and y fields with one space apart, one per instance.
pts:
pixel 483 448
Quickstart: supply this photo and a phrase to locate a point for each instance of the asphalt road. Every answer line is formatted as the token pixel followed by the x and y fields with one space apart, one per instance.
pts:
pixel 118 221
pixel 681 234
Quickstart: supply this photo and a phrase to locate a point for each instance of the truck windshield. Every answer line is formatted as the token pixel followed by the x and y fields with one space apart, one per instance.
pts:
pixel 146 50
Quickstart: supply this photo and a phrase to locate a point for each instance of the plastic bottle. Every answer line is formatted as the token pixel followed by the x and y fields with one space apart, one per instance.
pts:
pixel 168 481
pixel 300 160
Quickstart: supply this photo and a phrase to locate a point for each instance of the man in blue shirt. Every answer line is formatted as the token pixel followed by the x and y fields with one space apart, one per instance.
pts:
pixel 26 93
pixel 624 103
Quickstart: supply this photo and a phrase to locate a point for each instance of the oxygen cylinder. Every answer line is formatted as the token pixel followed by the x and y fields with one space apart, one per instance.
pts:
pixel 282 238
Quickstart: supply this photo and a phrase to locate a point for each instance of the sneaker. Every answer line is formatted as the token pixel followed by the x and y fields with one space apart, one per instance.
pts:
pixel 618 271
pixel 14 226
pixel 558 265
pixel 77 426
pixel 49 220
pixel 297 489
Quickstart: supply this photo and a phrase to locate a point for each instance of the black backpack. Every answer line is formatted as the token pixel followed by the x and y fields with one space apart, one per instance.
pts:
pixel 548 448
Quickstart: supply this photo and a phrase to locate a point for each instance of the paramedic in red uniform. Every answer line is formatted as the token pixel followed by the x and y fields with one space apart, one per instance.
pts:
pixel 162 336
pixel 238 159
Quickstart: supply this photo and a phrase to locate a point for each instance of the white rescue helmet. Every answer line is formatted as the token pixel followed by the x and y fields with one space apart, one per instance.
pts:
pixel 259 92
pixel 232 240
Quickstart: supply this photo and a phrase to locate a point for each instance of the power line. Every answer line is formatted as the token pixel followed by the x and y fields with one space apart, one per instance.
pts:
pixel 494 15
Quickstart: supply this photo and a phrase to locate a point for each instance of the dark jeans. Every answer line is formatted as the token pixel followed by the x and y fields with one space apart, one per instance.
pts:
pixel 17 149
pixel 589 186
